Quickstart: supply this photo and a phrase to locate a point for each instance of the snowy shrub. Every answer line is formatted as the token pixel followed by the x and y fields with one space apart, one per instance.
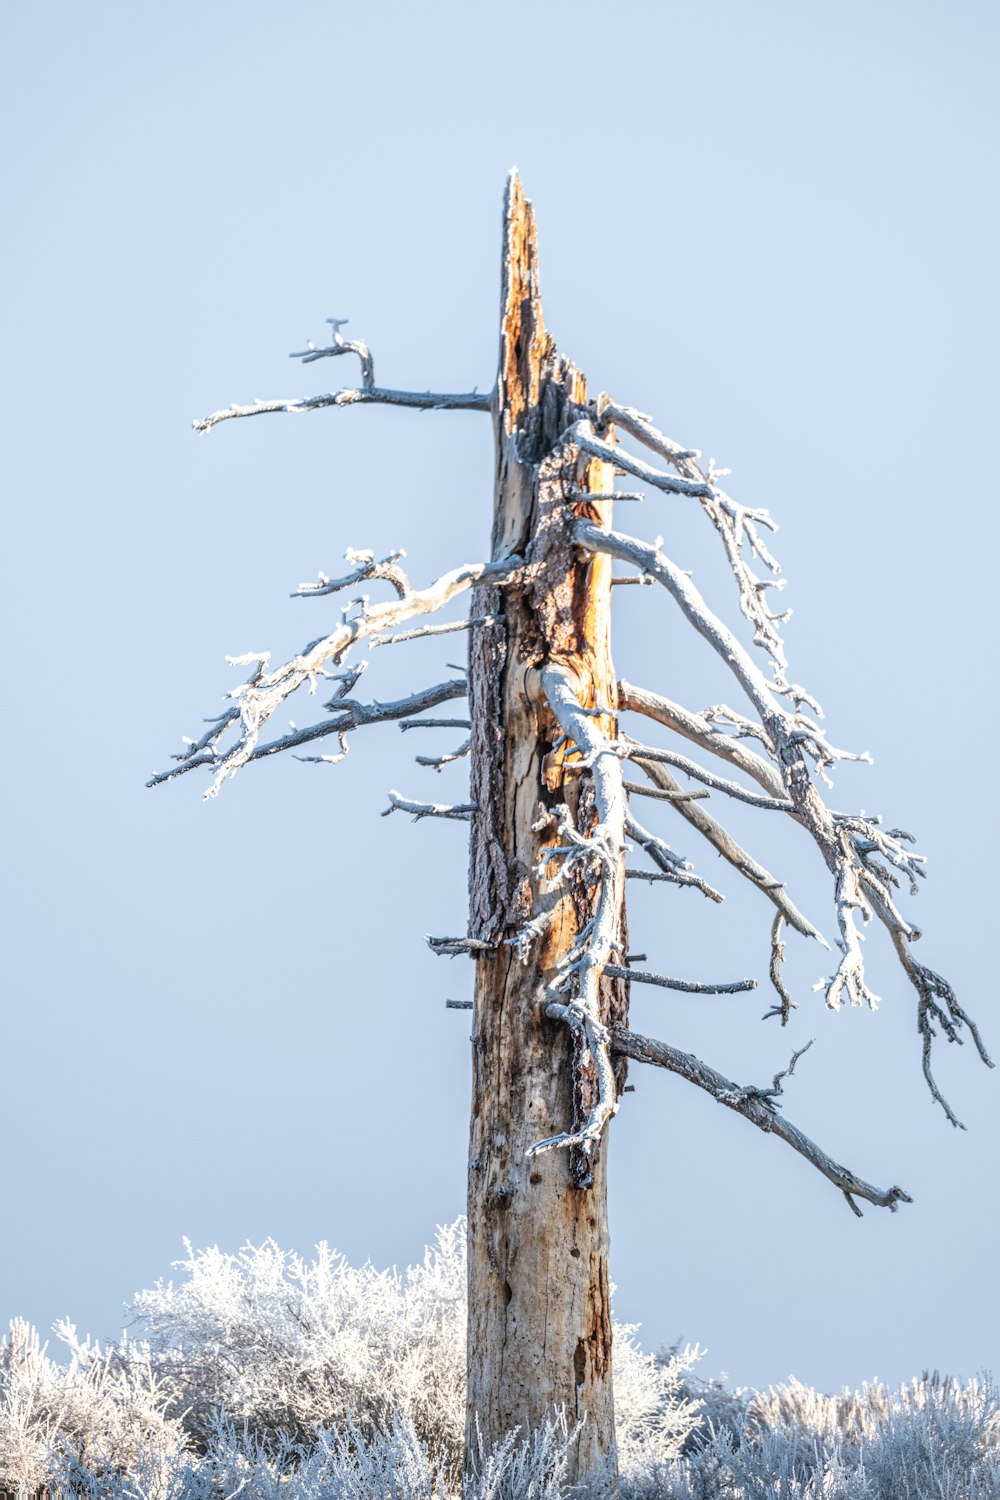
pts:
pixel 104 1407
pixel 264 1376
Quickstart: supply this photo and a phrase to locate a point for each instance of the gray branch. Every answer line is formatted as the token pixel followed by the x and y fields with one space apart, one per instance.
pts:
pixel 785 1004
pixel 265 691
pixel 633 750
pixel 699 729
pixel 757 1106
pixel 687 986
pixel 671 868
pixel 375 396
pixel 723 842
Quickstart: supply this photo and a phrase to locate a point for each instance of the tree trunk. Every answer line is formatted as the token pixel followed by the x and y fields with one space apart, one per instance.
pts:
pixel 539 1307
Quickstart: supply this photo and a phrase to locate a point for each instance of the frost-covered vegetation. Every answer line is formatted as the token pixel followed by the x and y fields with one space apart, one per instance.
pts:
pixel 265 1376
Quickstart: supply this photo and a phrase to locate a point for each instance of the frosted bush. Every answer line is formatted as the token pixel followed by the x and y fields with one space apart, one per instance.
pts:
pixel 287 1345
pixel 265 1376
pixel 103 1407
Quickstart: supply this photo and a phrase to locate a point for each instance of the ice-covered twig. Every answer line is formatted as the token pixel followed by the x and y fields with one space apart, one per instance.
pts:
pixel 724 843
pixel 737 525
pixel 413 635
pixel 460 811
pixel 687 986
pixel 937 1005
pixel 451 947
pixel 348 716
pixel 633 750
pixel 699 729
pixel 754 1105
pixel 340 345
pixel 366 396
pixel 439 723
pixel 438 762
pixel 265 691
pixel 786 1004
pixel 671 867
pixel 634 789
pixel 368 569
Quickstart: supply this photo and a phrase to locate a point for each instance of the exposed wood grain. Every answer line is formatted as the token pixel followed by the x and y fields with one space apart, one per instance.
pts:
pixel 540 1328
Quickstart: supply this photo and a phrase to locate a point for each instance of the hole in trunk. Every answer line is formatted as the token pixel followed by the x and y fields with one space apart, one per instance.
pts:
pixel 580 1363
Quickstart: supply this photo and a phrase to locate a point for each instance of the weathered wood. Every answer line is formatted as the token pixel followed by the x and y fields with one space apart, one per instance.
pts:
pixel 539 1306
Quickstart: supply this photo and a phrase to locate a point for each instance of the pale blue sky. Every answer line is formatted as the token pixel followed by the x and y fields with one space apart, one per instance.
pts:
pixel 773 226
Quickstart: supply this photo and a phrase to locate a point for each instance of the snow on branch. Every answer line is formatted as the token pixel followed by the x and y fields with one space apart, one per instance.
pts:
pixel 686 986
pixel 670 866
pixel 633 750
pixel 701 731
pixel 867 863
pixel 759 1106
pixel 397 803
pixel 266 690
pixel 602 851
pixel 724 843
pixel 367 394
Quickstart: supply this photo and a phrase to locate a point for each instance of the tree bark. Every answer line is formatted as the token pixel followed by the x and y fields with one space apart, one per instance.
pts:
pixel 539 1304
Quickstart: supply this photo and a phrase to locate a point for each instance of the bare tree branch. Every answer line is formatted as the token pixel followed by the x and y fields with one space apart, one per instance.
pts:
pixel 349 716
pixel 460 811
pixel 757 1106
pixel 736 524
pixel 651 754
pixel 438 762
pixel 726 845
pixel 635 789
pixel 413 635
pixel 688 986
pixel 786 1004
pixel 700 731
pixel 376 396
pixel 671 867
pixel 265 691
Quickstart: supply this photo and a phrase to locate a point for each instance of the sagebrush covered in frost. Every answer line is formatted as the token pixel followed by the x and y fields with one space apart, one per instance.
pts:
pixel 265 1376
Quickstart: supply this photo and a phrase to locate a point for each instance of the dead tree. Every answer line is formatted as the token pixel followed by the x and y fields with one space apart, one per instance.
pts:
pixel 555 824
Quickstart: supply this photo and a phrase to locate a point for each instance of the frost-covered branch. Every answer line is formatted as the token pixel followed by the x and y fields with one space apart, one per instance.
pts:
pixel 671 867
pixel 756 1105
pixel 399 636
pixel 687 986
pixel 265 691
pixel 738 526
pixel 451 947
pixel 376 396
pixel 603 851
pixel 785 1004
pixel 637 752
pixel 867 863
pixel 660 795
pixel 367 394
pixel 460 811
pixel 724 843
pixel 438 762
pixel 339 345
pixel 700 730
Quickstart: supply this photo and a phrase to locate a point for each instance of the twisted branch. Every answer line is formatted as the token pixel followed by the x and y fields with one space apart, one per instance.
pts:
pixel 759 1107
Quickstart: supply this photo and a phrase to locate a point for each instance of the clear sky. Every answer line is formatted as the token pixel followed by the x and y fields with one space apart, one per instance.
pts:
pixel 770 225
